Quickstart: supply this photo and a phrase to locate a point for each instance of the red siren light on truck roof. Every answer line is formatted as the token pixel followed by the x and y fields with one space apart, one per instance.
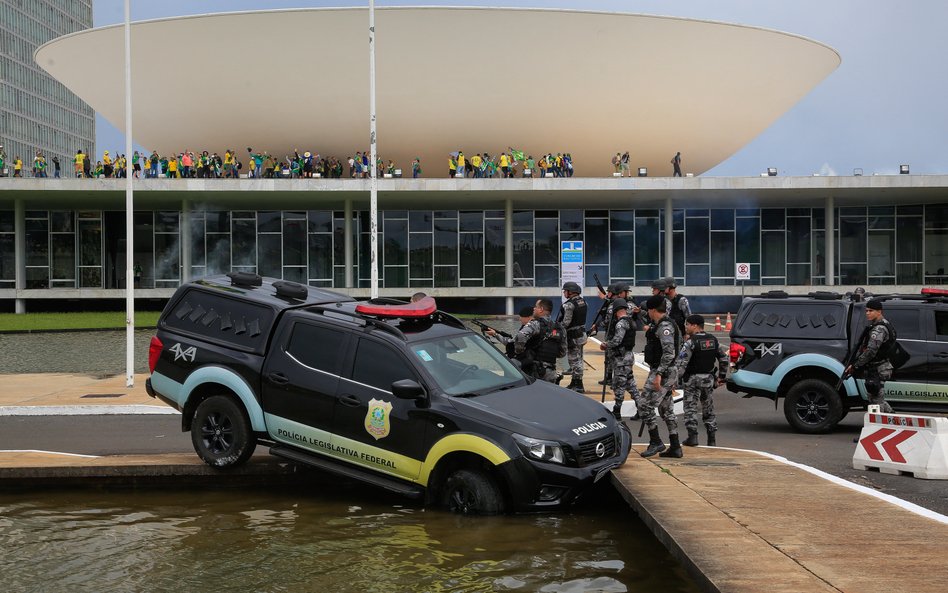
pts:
pixel 421 308
pixel 935 291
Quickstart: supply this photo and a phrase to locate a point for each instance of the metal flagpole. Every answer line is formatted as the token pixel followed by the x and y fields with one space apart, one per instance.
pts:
pixel 129 211
pixel 373 173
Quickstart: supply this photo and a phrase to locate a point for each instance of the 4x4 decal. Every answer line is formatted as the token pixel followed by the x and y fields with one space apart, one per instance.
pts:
pixel 187 354
pixel 772 350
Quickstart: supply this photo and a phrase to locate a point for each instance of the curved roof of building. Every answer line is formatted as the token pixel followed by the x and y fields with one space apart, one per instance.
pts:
pixel 474 79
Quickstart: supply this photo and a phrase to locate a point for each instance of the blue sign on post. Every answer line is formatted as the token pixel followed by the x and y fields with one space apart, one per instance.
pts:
pixel 571 262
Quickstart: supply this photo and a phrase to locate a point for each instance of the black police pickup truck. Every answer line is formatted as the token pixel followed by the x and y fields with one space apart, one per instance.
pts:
pixel 794 347
pixel 399 395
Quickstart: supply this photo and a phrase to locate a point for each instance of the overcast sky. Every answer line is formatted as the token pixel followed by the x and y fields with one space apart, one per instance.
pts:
pixel 881 108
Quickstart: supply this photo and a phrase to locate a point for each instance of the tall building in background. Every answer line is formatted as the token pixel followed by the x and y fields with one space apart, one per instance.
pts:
pixel 36 111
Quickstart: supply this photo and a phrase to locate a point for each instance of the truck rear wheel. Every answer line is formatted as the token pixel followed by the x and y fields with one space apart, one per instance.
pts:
pixel 812 406
pixel 221 434
pixel 472 492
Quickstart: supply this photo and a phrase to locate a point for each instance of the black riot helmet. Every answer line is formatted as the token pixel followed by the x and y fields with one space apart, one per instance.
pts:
pixel 572 287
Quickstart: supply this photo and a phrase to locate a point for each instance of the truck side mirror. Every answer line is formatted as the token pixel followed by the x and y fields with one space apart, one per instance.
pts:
pixel 408 389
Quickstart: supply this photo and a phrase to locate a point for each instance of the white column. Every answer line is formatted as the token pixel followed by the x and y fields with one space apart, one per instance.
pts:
pixel 669 239
pixel 830 264
pixel 347 243
pixel 129 213
pixel 373 172
pixel 19 253
pixel 185 242
pixel 508 251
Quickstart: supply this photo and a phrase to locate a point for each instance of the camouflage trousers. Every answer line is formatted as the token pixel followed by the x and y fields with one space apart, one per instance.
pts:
pixel 876 376
pixel 545 372
pixel 699 388
pixel 622 378
pixel 574 356
pixel 660 400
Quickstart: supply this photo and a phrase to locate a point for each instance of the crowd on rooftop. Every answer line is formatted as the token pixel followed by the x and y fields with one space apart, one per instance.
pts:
pixel 257 164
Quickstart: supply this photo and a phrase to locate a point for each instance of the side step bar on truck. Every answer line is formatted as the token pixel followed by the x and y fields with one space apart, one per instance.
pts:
pixel 349 471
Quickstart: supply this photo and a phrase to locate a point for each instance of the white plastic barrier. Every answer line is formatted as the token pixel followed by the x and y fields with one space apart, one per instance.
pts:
pixel 902 444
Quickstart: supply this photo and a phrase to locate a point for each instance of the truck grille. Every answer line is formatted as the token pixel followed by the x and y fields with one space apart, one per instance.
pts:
pixel 587 450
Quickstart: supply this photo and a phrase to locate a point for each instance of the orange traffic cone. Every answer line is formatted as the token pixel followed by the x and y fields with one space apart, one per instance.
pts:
pixel 717 323
pixel 727 326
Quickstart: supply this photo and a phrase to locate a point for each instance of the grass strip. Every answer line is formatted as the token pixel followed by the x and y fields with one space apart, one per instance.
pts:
pixel 72 321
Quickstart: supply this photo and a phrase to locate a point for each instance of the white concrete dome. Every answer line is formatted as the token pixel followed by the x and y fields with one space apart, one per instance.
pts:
pixel 475 79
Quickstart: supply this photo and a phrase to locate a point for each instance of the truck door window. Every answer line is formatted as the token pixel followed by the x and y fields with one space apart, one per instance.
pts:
pixel 317 347
pixel 941 326
pixel 379 365
pixel 905 322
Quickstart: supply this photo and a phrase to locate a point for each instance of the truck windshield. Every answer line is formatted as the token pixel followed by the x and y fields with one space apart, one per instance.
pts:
pixel 466 364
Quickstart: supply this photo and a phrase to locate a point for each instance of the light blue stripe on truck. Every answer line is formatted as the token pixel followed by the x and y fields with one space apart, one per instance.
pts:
pixel 765 382
pixel 211 374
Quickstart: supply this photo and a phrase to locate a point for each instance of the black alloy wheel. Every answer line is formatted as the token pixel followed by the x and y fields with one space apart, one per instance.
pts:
pixel 221 433
pixel 812 406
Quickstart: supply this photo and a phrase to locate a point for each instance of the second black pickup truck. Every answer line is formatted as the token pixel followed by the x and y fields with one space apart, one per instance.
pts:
pixel 794 347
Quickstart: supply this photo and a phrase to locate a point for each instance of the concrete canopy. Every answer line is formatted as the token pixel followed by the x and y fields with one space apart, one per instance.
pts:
pixel 475 79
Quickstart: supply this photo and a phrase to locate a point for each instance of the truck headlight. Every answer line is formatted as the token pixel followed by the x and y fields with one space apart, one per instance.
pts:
pixel 538 449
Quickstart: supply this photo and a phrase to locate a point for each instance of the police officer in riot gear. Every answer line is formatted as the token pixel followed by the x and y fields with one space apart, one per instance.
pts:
pixel 680 309
pixel 525 314
pixel 661 350
pixel 659 287
pixel 620 340
pixel 544 340
pixel 872 356
pixel 699 355
pixel 573 317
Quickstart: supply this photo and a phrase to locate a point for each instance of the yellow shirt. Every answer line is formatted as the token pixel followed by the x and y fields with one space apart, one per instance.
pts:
pixel 476 161
pixel 460 160
pixel 503 160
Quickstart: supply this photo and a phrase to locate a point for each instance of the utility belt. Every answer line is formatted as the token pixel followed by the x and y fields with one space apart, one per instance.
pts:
pixel 687 376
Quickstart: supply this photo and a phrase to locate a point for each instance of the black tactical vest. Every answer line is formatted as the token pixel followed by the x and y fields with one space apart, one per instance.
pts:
pixel 577 325
pixel 676 314
pixel 886 349
pixel 653 345
pixel 628 340
pixel 546 344
pixel 704 355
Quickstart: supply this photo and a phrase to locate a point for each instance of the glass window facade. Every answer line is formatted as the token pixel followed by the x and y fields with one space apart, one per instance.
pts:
pixel 460 248
pixel 36 111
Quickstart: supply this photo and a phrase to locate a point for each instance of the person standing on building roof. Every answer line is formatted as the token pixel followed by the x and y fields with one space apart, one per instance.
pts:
pixel 697 359
pixel 663 342
pixel 3 159
pixel 619 345
pixel 872 355
pixel 676 163
pixel 573 317
pixel 416 168
pixel 17 166
pixel 106 164
pixel 680 308
pixel 624 162
pixel 56 167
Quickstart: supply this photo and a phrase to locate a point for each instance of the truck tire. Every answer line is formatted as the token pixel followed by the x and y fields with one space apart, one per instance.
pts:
pixel 472 492
pixel 220 433
pixel 812 406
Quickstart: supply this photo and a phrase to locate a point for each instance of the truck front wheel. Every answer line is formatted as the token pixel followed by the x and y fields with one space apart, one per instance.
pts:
pixel 472 492
pixel 812 406
pixel 220 433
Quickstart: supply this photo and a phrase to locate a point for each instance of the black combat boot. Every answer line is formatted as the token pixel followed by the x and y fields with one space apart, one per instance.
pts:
pixel 712 442
pixel 692 440
pixel 655 444
pixel 674 447
pixel 577 385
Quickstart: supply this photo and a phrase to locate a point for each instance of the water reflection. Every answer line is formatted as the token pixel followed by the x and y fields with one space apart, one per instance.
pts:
pixel 260 541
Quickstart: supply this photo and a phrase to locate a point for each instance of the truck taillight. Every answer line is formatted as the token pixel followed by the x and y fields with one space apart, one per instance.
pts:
pixel 154 353
pixel 736 352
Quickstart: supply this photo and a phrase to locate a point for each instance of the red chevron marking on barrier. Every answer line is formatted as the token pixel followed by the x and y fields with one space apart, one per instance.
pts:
pixel 891 446
pixel 869 443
